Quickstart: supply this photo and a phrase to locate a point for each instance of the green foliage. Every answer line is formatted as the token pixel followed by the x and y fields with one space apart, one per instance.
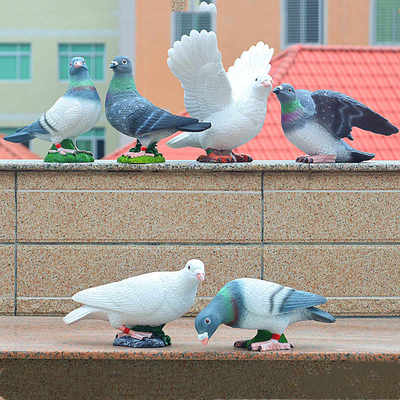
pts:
pixel 68 158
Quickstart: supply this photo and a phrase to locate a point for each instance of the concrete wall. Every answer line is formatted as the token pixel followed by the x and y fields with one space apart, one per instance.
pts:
pixel 330 230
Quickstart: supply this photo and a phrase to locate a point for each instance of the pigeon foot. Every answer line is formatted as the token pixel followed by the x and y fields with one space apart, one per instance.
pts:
pixel 67 152
pixel 142 337
pixel 223 156
pixel 270 345
pixel 262 336
pixel 319 158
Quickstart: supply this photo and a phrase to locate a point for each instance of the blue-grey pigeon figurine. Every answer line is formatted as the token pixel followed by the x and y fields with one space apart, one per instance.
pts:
pixel 133 115
pixel 258 304
pixel 76 112
pixel 316 122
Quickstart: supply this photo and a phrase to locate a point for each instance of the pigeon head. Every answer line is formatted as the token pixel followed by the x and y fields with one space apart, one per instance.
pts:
pixel 121 64
pixel 195 269
pixel 262 84
pixel 78 67
pixel 285 93
pixel 208 320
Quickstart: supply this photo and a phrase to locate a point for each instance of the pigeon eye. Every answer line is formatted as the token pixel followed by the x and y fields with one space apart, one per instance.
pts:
pixel 188 266
pixel 207 321
pixel 124 61
pixel 256 79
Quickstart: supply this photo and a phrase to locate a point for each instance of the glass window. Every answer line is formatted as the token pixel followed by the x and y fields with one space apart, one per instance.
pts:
pixel 387 21
pixel 15 61
pixel 93 54
pixel 184 21
pixel 303 21
pixel 93 141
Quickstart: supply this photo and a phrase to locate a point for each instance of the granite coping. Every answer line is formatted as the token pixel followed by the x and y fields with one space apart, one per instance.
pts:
pixel 259 165
pixel 349 339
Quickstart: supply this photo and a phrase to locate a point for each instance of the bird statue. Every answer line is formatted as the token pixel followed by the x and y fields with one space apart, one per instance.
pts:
pixel 258 304
pixel 235 102
pixel 140 306
pixel 316 122
pixel 76 112
pixel 133 115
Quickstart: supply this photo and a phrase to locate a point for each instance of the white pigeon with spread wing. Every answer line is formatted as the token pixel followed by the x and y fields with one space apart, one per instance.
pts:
pixel 235 102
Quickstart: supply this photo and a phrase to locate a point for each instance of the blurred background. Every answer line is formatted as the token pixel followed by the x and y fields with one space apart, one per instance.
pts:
pixel 345 45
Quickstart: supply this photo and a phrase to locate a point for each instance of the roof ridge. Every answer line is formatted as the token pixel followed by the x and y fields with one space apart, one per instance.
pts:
pixel 343 47
pixel 290 54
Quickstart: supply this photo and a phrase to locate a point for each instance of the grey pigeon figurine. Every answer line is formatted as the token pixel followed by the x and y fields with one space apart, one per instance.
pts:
pixel 258 304
pixel 133 115
pixel 316 122
pixel 76 112
pixel 140 306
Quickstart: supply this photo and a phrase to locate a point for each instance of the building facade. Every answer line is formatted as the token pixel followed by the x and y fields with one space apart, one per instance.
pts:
pixel 37 40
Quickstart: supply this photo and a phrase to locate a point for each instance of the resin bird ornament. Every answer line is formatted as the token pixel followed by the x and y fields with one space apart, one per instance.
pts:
pixel 133 115
pixel 140 306
pixel 256 304
pixel 235 102
pixel 316 122
pixel 76 112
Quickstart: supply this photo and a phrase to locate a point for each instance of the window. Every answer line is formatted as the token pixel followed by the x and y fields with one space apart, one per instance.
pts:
pixel 386 21
pixel 303 20
pixel 15 61
pixel 93 54
pixel 8 130
pixel 184 21
pixel 93 141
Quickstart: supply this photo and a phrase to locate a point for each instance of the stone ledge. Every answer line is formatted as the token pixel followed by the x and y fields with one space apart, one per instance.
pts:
pixel 41 358
pixel 258 165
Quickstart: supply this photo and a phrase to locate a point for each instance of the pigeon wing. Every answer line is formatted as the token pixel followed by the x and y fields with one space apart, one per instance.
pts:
pixel 253 63
pixel 147 118
pixel 196 61
pixel 268 298
pixel 143 294
pixel 64 115
pixel 338 113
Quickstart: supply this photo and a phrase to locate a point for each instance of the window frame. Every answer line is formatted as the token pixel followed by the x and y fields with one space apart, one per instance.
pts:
pixel 322 27
pixel 191 9
pixel 71 54
pixel 93 139
pixel 372 28
pixel 17 54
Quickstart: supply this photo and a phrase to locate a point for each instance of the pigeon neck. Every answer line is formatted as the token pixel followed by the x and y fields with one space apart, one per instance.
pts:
pixel 122 83
pixel 291 106
pixel 230 307
pixel 80 79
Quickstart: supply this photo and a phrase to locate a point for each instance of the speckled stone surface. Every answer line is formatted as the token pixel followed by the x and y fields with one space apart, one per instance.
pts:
pixel 354 358
pixel 7 209
pixel 6 279
pixel 138 216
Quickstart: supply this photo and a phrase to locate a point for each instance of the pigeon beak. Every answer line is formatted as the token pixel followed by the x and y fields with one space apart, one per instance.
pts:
pixel 267 83
pixel 200 276
pixel 203 337
pixel 78 64
pixel 277 90
pixel 113 64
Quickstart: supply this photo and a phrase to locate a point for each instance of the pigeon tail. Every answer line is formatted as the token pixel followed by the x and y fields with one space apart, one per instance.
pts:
pixel 77 314
pixel 26 133
pixel 316 314
pixel 358 156
pixel 196 127
pixel 184 140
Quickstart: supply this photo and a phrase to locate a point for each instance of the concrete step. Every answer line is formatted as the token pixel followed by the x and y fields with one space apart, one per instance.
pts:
pixel 42 358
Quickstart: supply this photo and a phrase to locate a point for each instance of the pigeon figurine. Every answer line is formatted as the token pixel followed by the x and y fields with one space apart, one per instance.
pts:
pixel 76 112
pixel 140 306
pixel 316 122
pixel 133 115
pixel 235 102
pixel 257 304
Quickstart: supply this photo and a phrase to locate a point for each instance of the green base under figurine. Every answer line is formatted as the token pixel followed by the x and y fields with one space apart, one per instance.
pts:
pixel 141 159
pixel 53 156
pixel 262 336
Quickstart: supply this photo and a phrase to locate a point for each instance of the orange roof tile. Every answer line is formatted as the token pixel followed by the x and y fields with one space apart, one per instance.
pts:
pixel 369 74
pixel 15 151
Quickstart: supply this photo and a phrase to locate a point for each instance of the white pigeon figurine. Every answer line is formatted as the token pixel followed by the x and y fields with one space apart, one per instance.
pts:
pixel 235 102
pixel 141 305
